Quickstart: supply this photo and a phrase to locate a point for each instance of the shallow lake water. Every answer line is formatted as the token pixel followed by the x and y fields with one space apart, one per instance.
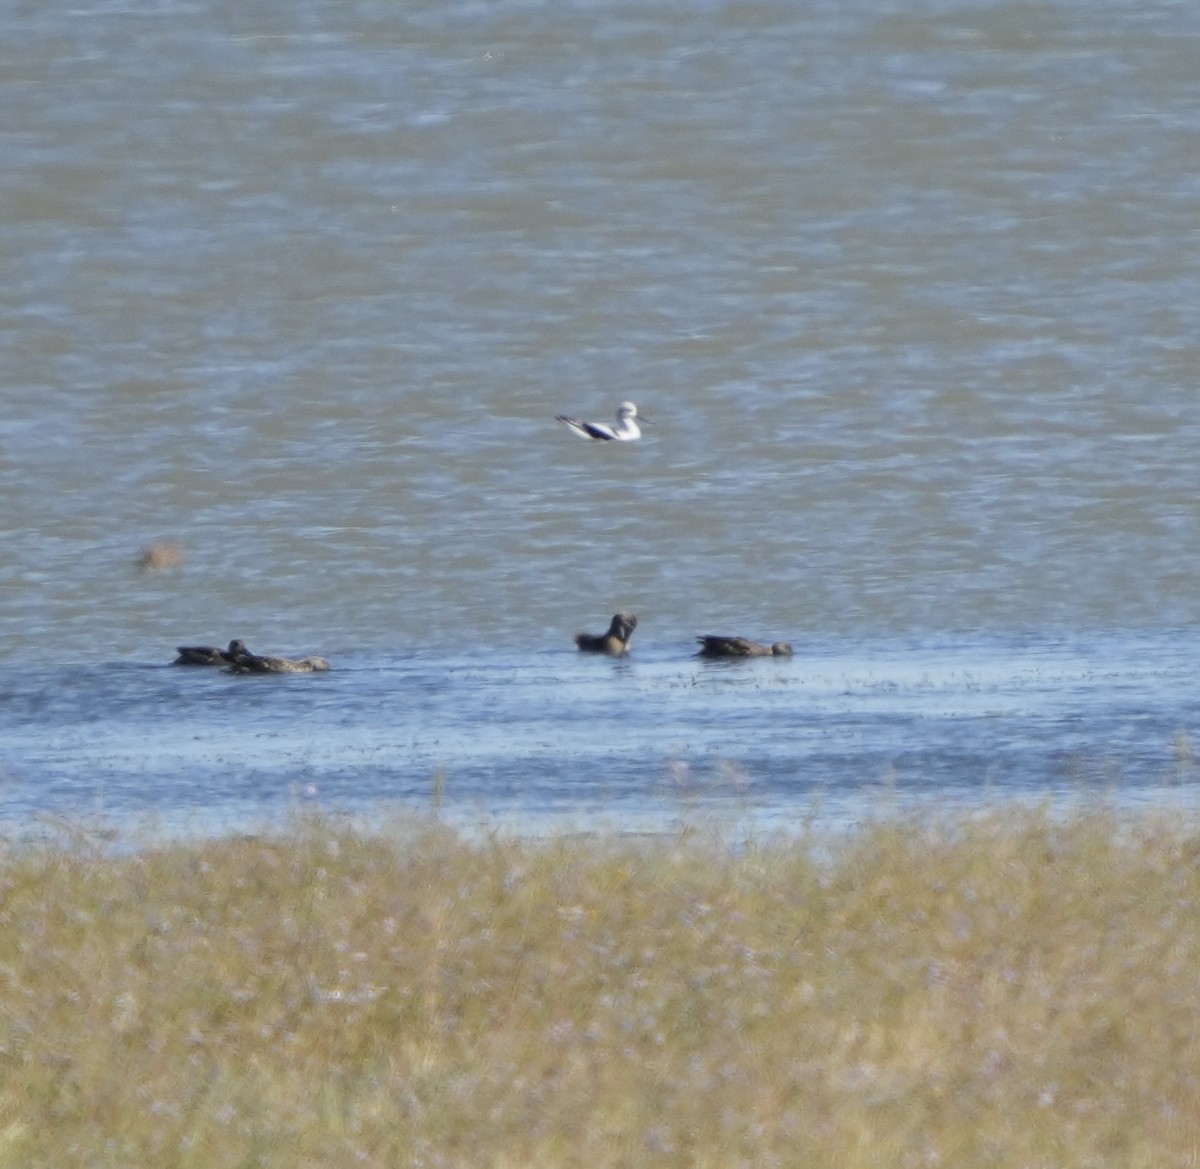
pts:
pixel 296 290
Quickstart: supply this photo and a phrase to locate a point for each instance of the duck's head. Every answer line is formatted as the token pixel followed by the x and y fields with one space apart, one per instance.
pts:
pixel 623 625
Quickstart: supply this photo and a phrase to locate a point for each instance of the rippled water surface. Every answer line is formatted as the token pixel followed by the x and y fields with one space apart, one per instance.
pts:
pixel 908 292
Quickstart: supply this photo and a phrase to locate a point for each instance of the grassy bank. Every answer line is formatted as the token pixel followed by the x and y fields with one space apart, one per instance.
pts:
pixel 1006 991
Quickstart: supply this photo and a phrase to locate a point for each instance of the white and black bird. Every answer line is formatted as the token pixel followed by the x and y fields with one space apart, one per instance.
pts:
pixel 626 429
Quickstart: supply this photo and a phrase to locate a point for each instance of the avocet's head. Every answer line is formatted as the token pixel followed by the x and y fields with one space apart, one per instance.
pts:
pixel 626 410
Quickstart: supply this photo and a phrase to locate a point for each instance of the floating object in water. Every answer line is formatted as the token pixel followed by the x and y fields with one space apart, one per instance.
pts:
pixel 160 557
pixel 741 647
pixel 626 429
pixel 615 642
pixel 209 655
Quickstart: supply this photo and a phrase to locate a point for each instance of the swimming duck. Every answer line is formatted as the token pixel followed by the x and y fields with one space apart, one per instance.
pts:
pixel 248 663
pixel 626 429
pixel 209 655
pixel 615 641
pixel 741 647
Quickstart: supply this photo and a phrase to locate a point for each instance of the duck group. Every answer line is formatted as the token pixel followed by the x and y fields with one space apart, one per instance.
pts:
pixel 235 658
pixel 615 642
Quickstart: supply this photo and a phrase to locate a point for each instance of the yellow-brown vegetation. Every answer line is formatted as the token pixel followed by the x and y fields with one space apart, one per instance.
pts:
pixel 1010 989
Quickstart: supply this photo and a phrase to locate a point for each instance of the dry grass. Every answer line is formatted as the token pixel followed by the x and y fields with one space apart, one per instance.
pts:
pixel 1011 990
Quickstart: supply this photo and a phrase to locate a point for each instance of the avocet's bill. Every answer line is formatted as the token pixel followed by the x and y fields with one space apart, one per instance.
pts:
pixel 626 429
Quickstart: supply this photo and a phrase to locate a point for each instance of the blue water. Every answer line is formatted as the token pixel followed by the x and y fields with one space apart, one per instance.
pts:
pixel 650 742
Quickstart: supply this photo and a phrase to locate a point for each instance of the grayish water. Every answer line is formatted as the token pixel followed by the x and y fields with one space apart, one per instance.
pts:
pixel 910 290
